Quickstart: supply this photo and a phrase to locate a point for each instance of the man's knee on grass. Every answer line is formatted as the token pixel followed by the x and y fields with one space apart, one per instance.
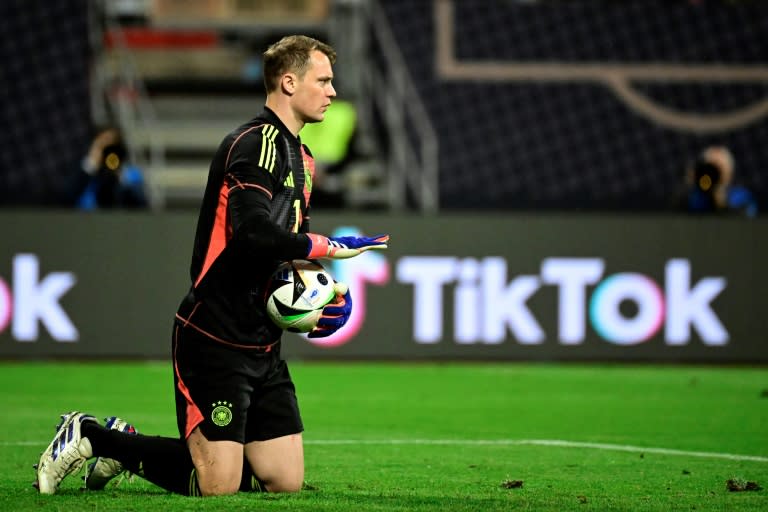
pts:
pixel 277 463
pixel 291 482
pixel 218 465
pixel 212 485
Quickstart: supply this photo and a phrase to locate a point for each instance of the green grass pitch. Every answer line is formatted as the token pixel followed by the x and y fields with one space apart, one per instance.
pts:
pixel 437 437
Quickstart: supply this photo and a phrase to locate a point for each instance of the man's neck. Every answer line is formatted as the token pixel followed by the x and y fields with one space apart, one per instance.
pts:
pixel 286 115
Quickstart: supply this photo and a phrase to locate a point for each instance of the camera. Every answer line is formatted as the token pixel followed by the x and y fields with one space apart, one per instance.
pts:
pixel 706 176
pixel 113 157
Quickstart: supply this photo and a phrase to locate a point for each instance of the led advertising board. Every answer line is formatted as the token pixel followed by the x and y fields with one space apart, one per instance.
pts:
pixel 457 287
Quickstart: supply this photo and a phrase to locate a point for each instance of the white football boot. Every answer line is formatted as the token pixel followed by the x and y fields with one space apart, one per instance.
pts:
pixel 66 454
pixel 104 469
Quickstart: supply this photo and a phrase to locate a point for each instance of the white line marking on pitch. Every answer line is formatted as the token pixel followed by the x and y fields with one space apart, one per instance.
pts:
pixel 540 442
pixel 502 442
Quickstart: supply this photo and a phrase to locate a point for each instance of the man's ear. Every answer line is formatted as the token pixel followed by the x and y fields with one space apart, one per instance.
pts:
pixel 288 82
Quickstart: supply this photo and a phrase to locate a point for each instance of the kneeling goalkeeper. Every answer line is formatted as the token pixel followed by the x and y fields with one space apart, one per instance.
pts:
pixel 236 407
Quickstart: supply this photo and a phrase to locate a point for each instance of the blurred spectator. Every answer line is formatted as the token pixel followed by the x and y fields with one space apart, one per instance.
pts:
pixel 710 187
pixel 105 179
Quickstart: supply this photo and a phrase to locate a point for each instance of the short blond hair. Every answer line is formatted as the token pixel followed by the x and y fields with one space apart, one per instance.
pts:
pixel 291 54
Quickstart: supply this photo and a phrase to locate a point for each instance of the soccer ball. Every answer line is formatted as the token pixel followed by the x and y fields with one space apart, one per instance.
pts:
pixel 296 294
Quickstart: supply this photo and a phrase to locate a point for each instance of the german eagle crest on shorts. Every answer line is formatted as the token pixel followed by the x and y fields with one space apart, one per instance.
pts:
pixel 222 413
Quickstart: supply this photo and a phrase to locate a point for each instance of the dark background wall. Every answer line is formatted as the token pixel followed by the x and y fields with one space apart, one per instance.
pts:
pixel 569 141
pixel 531 142
pixel 44 98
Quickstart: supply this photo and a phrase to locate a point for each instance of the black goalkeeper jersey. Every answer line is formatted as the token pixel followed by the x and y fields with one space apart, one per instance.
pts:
pixel 254 212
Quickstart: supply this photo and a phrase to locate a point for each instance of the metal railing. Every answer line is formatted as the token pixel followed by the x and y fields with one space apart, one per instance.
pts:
pixel 413 152
pixel 119 96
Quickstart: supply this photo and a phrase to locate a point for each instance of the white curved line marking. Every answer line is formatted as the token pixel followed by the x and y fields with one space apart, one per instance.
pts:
pixel 539 442
pixel 617 77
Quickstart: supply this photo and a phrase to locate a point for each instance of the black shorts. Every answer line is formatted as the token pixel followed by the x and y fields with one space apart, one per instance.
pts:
pixel 232 394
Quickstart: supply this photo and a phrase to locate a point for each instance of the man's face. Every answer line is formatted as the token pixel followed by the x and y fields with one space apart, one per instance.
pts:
pixel 314 91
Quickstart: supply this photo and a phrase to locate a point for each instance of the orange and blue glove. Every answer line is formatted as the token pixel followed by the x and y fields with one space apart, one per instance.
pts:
pixel 343 246
pixel 335 314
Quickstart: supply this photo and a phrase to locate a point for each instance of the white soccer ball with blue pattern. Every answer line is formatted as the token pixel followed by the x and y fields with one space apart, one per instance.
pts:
pixel 296 294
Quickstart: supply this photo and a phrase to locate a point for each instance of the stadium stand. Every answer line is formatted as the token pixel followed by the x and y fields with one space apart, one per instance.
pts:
pixel 513 105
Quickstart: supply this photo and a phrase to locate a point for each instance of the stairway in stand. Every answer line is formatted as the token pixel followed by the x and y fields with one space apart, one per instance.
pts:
pixel 199 62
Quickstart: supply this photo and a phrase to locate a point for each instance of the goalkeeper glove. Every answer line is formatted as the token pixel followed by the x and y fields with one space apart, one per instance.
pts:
pixel 335 314
pixel 343 246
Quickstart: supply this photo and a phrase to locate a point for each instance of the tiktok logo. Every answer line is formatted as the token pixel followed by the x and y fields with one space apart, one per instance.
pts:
pixel 487 304
pixel 35 301
pixel 369 267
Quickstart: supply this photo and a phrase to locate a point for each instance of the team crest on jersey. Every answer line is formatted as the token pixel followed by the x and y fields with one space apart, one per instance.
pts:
pixel 309 170
pixel 222 413
pixel 307 180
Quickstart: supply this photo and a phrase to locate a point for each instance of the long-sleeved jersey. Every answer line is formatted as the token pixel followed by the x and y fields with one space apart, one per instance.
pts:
pixel 253 216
